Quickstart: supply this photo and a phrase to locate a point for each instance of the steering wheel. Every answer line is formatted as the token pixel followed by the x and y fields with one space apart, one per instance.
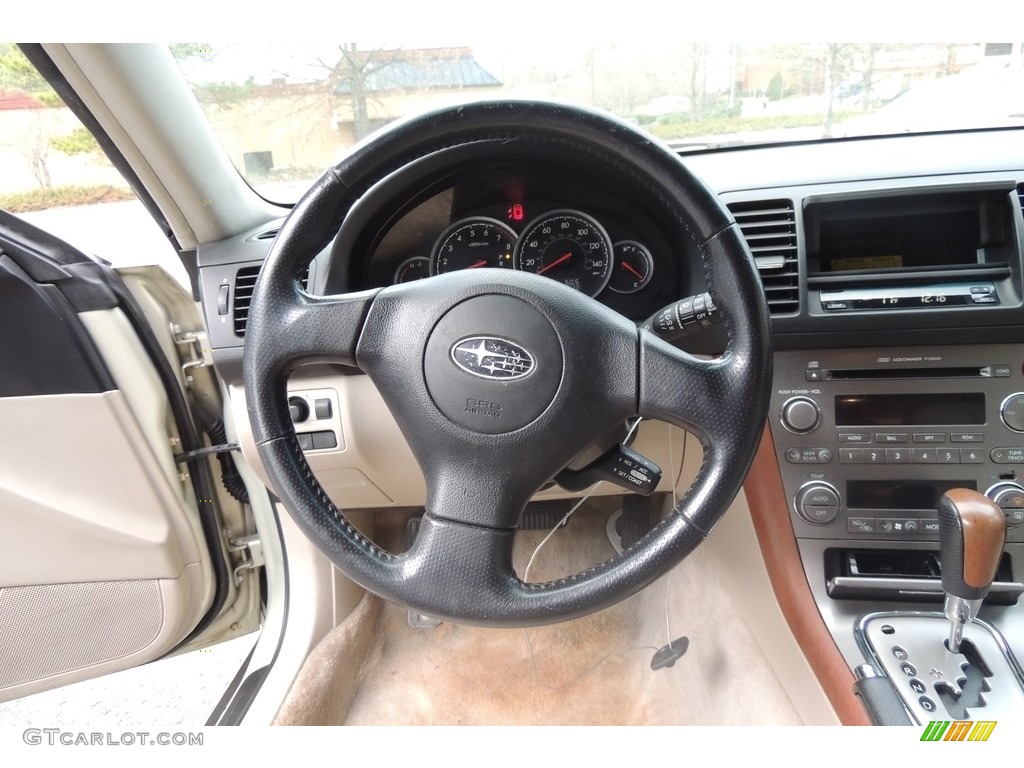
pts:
pixel 488 436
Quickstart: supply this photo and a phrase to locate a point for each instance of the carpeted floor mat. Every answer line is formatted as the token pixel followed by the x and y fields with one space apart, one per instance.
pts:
pixel 376 669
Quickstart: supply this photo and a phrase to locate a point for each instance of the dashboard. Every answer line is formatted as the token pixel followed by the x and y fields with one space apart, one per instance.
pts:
pixel 894 274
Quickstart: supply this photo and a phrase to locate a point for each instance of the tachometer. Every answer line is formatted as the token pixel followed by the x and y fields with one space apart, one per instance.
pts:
pixel 472 243
pixel 568 246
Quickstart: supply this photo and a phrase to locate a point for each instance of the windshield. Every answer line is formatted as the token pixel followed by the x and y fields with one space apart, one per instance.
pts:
pixel 285 112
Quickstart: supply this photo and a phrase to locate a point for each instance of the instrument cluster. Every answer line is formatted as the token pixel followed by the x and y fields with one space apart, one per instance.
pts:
pixel 606 241
pixel 566 245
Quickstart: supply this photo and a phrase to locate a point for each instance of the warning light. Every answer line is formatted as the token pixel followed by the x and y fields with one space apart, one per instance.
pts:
pixel 515 212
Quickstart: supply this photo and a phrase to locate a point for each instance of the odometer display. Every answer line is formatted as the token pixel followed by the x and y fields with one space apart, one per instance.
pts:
pixel 568 246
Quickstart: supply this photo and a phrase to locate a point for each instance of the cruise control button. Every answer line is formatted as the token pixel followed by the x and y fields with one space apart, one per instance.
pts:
pixel 930 437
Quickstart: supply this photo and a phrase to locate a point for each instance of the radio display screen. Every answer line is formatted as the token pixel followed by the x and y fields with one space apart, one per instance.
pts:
pixel 900 494
pixel 936 409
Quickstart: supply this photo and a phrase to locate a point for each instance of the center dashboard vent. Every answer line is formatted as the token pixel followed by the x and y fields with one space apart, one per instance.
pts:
pixel 245 282
pixel 769 227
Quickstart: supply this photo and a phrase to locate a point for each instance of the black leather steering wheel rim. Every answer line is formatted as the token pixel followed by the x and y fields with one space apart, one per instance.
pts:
pixel 605 370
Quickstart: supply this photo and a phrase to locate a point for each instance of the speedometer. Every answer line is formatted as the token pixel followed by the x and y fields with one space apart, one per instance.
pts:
pixel 568 246
pixel 471 243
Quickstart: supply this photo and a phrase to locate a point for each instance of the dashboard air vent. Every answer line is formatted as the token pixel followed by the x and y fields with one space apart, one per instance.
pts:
pixel 769 227
pixel 245 282
pixel 269 234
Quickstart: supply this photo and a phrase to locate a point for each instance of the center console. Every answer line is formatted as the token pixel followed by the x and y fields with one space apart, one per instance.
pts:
pixel 868 439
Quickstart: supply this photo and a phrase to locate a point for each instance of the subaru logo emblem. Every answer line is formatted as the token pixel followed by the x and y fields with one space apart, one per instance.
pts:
pixel 492 358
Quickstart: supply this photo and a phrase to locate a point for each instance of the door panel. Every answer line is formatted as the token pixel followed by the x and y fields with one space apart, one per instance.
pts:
pixel 104 563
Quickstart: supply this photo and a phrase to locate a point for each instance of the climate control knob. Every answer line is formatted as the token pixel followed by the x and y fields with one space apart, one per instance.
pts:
pixel 1009 497
pixel 800 415
pixel 818 503
pixel 1012 412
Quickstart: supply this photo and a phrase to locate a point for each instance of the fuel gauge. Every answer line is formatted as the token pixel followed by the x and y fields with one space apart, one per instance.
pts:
pixel 633 269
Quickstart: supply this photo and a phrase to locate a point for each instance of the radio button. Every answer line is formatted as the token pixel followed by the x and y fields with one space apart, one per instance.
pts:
pixel 897 456
pixel 972 456
pixel 930 437
pixel 874 456
pixel 1012 412
pixel 800 415
pixel 851 455
pixel 922 455
pixel 1007 455
pixel 947 455
pixel 808 455
pixel 1001 371
pixel 814 374
pixel 891 437
pixel 854 437
pixel 967 437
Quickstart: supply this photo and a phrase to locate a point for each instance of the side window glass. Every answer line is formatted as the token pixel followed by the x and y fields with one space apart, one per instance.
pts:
pixel 54 175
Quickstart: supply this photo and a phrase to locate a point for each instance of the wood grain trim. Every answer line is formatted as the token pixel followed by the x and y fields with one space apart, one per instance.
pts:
pixel 769 511
pixel 984 530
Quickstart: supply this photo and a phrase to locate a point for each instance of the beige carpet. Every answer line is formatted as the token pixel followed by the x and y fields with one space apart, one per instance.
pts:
pixel 375 669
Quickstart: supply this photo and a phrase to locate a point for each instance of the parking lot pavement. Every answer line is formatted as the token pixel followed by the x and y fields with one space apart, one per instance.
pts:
pixel 180 691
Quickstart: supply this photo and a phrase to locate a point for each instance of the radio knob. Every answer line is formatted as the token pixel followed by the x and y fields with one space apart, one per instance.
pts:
pixel 818 503
pixel 1012 411
pixel 801 415
pixel 1009 497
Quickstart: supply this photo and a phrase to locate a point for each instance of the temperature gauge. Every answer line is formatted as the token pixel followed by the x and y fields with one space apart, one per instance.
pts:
pixel 633 267
pixel 415 268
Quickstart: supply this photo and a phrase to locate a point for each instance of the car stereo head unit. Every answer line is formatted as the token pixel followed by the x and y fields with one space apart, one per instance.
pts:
pixel 867 442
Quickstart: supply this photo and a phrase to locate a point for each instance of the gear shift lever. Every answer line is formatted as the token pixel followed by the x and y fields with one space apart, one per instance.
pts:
pixel 972 532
